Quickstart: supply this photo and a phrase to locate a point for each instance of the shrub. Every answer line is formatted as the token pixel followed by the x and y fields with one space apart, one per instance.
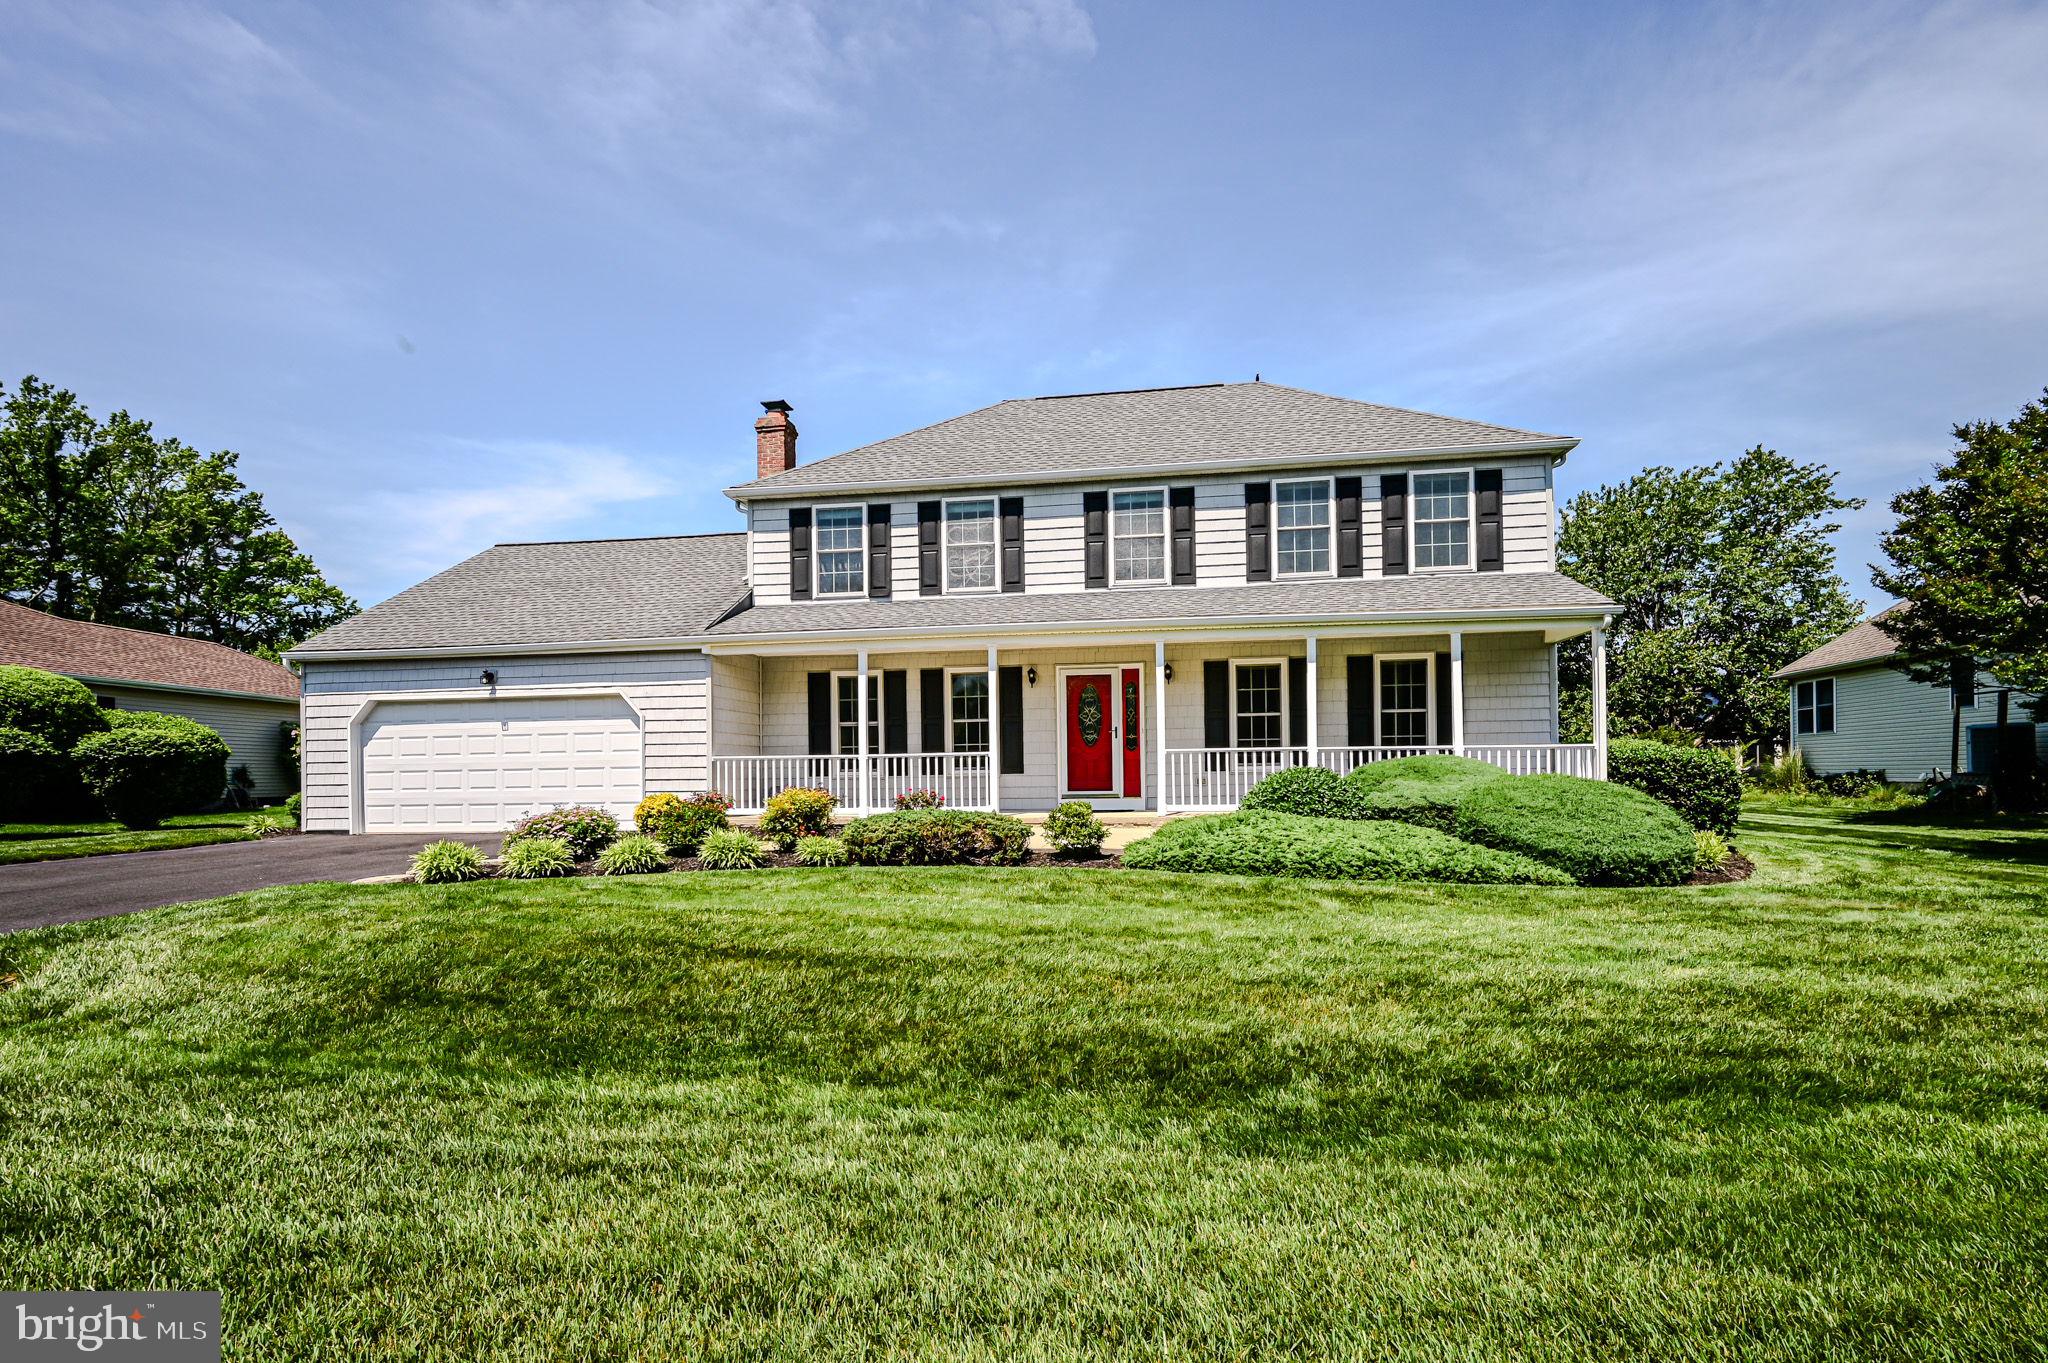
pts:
pixel 1420 790
pixel 31 773
pixel 820 852
pixel 55 709
pixel 1701 784
pixel 937 837
pixel 636 854
pixel 292 810
pixel 1264 843
pixel 1709 850
pixel 1312 791
pixel 1786 775
pixel 730 849
pixel 141 774
pixel 800 812
pixel 204 781
pixel 444 863
pixel 1073 827
pixel 1595 831
pixel 1847 785
pixel 588 831
pixel 920 797
pixel 538 859
pixel 680 824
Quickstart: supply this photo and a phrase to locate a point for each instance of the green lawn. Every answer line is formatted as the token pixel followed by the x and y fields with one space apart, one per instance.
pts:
pixel 1033 1114
pixel 54 841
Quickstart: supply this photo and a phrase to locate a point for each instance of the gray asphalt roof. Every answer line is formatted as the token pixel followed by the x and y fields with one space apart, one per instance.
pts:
pixel 1225 423
pixel 1861 646
pixel 592 591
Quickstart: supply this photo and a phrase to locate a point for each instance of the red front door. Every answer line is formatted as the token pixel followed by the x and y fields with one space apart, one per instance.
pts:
pixel 1091 726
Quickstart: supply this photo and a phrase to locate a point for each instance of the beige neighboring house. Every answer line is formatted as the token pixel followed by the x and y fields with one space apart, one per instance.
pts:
pixel 247 701
pixel 1148 600
pixel 1852 709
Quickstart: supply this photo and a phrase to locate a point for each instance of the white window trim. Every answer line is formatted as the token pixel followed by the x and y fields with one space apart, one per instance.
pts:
pixel 1834 707
pixel 818 592
pixel 1286 702
pixel 1273 528
pixel 874 713
pixel 1165 578
pixel 1471 563
pixel 993 718
pixel 995 515
pixel 1379 711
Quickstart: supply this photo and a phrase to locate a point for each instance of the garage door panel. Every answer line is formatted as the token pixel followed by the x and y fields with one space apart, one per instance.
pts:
pixel 486 764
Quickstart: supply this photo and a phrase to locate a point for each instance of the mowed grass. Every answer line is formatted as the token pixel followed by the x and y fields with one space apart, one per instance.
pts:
pixel 55 841
pixel 1032 1114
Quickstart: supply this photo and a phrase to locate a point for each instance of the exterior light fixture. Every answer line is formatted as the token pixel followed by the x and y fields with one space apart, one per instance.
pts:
pixel 1169 671
pixel 1031 675
pixel 489 678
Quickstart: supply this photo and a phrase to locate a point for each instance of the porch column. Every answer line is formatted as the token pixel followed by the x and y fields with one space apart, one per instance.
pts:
pixel 995 734
pixel 1159 722
pixel 1600 702
pixel 1313 668
pixel 1458 692
pixel 860 718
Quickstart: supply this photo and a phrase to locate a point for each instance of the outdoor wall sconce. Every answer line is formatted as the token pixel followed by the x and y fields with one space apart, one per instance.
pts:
pixel 1031 675
pixel 1169 671
pixel 489 678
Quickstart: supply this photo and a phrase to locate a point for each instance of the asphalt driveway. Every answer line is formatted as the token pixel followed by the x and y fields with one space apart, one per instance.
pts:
pixel 37 894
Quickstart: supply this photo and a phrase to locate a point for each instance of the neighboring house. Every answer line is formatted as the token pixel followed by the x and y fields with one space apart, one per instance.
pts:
pixel 1852 709
pixel 246 700
pixel 1148 600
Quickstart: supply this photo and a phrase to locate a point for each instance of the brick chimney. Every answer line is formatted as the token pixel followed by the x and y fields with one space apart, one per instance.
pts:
pixel 774 439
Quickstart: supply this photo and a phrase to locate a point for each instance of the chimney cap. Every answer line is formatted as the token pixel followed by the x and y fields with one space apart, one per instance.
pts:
pixel 775 405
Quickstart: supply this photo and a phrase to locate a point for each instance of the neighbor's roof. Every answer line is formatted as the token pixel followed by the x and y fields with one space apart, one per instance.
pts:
pixel 579 591
pixel 110 653
pixel 1867 643
pixel 1167 430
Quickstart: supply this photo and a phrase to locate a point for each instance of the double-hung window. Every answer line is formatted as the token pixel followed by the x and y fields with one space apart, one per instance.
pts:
pixel 1813 705
pixel 847 694
pixel 1137 536
pixel 1258 696
pixel 967 694
pixel 839 532
pixel 1404 687
pixel 1442 515
pixel 971 546
pixel 1301 528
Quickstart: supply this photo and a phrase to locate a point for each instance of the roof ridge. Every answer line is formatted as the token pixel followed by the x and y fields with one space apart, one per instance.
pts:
pixel 622 539
pixel 1413 411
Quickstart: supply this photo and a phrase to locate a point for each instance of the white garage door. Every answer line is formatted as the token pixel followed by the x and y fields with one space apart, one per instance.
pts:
pixel 480 765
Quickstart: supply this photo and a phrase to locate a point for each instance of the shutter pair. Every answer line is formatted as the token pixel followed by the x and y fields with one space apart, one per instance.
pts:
pixel 1180 532
pixel 934 712
pixel 800 552
pixel 824 712
pixel 931 566
pixel 1216 703
pixel 1487 555
pixel 1348 525
pixel 1361 707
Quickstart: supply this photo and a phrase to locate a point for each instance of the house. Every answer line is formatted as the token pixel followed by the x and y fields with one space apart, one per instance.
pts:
pixel 1852 709
pixel 247 701
pixel 1149 600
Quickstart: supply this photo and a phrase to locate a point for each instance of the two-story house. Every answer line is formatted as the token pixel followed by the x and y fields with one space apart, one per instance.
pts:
pixel 1148 600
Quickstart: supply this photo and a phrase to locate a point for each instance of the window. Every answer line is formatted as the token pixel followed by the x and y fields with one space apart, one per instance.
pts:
pixel 1258 694
pixel 847 731
pixel 1813 704
pixel 969 719
pixel 1441 512
pixel 1137 536
pixel 1404 686
pixel 1301 524
pixel 839 531
pixel 971 546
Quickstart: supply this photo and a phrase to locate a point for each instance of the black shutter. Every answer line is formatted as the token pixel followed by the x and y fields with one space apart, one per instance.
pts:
pixel 895 711
pixel 1216 703
pixel 821 713
pixel 1010 690
pixel 1297 702
pixel 928 581
pixel 1095 537
pixel 878 550
pixel 799 553
pixel 1181 502
pixel 1443 699
pixel 1486 493
pixel 1358 706
pixel 1350 531
pixel 1393 524
pixel 1012 510
pixel 1258 554
pixel 931 709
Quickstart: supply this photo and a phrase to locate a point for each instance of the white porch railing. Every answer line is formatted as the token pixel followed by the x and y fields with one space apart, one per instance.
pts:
pixel 857 783
pixel 1218 778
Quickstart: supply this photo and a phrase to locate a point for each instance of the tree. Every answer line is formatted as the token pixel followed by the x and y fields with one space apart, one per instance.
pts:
pixel 106 521
pixel 1724 574
pixel 1969 557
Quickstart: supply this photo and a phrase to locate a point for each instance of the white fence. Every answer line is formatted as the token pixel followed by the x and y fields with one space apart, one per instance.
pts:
pixel 857 783
pixel 1217 778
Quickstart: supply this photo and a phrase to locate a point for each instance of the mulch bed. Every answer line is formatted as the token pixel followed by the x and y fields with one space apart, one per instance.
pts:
pixel 771 860
pixel 1737 867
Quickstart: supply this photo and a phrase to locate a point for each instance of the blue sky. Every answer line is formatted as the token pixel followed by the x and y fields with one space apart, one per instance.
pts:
pixel 451 272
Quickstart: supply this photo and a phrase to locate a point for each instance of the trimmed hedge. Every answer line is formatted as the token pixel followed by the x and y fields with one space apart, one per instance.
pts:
pixel 1424 791
pixel 1313 792
pixel 936 837
pixel 1263 843
pixel 55 709
pixel 1073 828
pixel 1702 785
pixel 142 773
pixel 202 785
pixel 31 772
pixel 1597 832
